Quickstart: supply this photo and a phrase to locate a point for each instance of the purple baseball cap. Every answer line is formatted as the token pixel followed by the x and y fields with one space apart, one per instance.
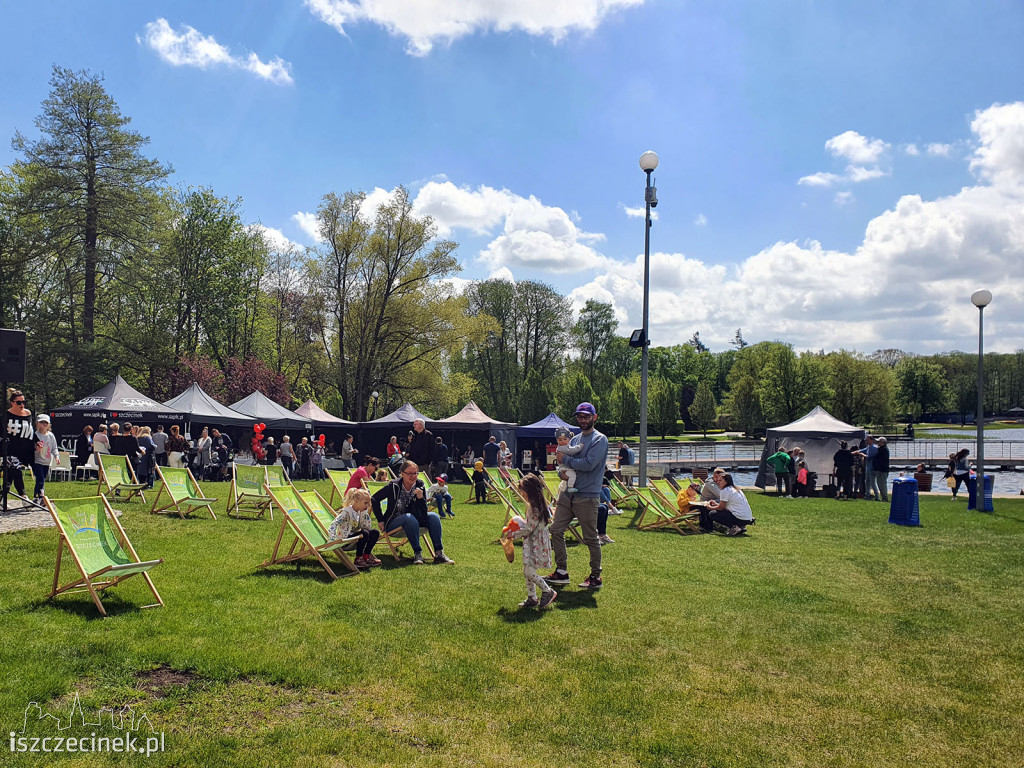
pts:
pixel 586 408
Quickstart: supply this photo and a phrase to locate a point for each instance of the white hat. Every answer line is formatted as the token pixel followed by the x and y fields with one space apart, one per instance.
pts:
pixel 42 417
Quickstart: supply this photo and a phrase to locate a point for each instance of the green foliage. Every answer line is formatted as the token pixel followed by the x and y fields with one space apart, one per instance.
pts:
pixel 662 405
pixel 920 385
pixel 704 409
pixel 623 404
pixel 593 331
pixel 572 389
pixel 535 402
pixel 863 390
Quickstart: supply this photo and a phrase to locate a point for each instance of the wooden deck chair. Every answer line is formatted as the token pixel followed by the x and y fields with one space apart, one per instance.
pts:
pixel 61 465
pixel 395 538
pixel 656 513
pixel 276 478
pixel 339 482
pixel 117 475
pixel 621 494
pixel 99 546
pixel 664 487
pixel 183 492
pixel 309 537
pixel 247 490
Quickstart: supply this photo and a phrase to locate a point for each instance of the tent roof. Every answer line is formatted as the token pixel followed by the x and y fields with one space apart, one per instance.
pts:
pixel 545 427
pixel 404 415
pixel 817 422
pixel 471 416
pixel 118 399
pixel 198 404
pixel 261 408
pixel 312 411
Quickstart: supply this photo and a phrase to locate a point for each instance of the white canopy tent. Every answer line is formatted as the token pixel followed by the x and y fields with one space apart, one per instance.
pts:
pixel 818 434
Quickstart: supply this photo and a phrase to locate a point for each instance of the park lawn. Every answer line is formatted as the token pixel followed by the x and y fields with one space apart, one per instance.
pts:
pixel 826 637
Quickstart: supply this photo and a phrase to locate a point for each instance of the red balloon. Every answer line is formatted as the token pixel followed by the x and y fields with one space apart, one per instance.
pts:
pixel 321 441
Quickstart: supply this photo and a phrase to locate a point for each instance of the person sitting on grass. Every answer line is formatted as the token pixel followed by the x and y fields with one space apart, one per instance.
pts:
pixel 439 494
pixel 355 516
pixel 731 510
pixel 480 482
pixel 536 543
pixel 709 491
pixel 407 509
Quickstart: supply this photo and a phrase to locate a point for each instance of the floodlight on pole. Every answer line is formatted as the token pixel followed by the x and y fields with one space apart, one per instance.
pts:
pixel 648 162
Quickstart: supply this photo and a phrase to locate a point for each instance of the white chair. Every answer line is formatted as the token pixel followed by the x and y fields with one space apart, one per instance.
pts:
pixel 61 465
pixel 85 469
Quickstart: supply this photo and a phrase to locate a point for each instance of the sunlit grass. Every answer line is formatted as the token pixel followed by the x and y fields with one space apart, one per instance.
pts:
pixel 825 637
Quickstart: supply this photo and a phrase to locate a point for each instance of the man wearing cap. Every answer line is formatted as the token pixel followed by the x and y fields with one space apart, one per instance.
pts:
pixel 582 505
pixel 881 468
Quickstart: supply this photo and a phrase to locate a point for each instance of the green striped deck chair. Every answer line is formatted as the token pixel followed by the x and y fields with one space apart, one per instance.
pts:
pixel 309 537
pixel 395 538
pixel 99 547
pixel 620 492
pixel 664 487
pixel 339 482
pixel 183 492
pixel 657 513
pixel 551 483
pixel 276 478
pixel 117 475
pixel 248 490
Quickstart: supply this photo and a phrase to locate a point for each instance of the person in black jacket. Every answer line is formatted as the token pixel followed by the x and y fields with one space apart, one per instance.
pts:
pixel 881 467
pixel 438 458
pixel 421 444
pixel 406 500
pixel 842 460
pixel 19 431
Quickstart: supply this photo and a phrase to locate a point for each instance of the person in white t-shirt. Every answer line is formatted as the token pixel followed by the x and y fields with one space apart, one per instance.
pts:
pixel 731 509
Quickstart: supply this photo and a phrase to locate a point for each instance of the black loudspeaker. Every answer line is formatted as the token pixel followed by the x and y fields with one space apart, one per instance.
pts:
pixel 12 356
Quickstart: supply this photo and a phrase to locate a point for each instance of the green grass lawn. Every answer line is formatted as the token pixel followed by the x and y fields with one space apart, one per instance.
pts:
pixel 826 637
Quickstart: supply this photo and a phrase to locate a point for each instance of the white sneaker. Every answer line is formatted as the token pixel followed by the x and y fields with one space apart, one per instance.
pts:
pixel 614 510
pixel 604 538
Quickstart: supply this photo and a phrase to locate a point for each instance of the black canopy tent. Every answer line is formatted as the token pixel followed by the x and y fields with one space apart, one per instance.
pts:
pixel 374 435
pixel 200 408
pixel 118 401
pixel 537 436
pixel 262 410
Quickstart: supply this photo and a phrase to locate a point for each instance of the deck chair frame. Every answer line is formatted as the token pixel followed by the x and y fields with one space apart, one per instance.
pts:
pixel 309 537
pixel 339 482
pixel 175 477
pixel 110 574
pixel 396 538
pixel 109 463
pixel 245 494
pixel 666 515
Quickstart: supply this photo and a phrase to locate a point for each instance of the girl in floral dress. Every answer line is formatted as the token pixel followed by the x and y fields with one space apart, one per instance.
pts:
pixel 536 543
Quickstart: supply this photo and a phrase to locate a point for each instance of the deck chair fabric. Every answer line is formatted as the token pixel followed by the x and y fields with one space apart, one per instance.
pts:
pixel 117 475
pixel 621 493
pixel 339 483
pixel 184 495
pixel 100 548
pixel 551 482
pixel 309 537
pixel 395 538
pixel 657 513
pixel 247 492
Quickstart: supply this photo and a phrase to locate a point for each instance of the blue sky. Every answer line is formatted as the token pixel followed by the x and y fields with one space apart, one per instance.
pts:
pixel 832 174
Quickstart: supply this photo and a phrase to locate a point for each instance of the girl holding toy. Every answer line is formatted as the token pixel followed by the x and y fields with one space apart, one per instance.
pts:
pixel 536 543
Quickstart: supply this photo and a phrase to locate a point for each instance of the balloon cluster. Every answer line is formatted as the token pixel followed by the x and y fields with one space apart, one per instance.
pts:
pixel 322 440
pixel 257 441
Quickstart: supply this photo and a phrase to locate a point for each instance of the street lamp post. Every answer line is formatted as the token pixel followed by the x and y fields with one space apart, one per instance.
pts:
pixel 648 162
pixel 981 299
pixel 375 394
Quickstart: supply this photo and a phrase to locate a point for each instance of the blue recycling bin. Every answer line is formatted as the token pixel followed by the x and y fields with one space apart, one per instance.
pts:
pixel 903 507
pixel 972 494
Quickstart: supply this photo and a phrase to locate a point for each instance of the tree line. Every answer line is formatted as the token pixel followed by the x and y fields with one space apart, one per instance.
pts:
pixel 113 269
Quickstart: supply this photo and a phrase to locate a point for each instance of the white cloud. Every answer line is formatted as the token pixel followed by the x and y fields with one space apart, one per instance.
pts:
pixel 999 157
pixel 904 286
pixel 502 273
pixel 190 47
pixel 275 238
pixel 859 152
pixel 912 150
pixel 426 22
pixel 637 213
pixel 308 223
pixel 936 149
pixel 856 149
pixel 820 179
pixel 700 221
pixel 460 207
pixel 844 198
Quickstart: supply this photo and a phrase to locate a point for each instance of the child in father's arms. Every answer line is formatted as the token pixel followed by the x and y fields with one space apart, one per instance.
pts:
pixel 562 438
